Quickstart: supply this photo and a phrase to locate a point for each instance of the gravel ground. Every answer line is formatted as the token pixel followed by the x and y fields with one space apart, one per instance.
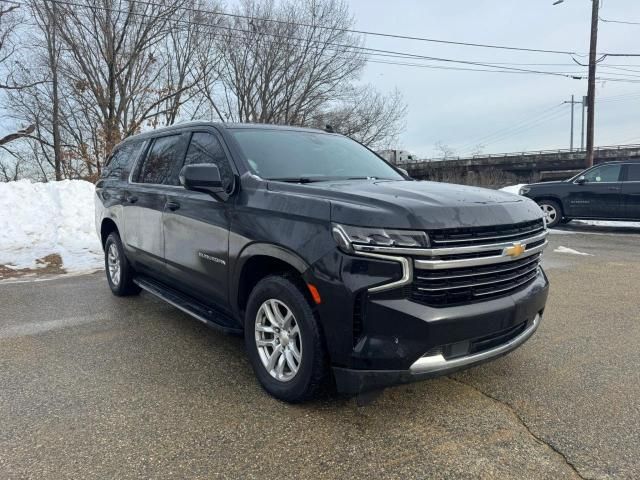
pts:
pixel 93 386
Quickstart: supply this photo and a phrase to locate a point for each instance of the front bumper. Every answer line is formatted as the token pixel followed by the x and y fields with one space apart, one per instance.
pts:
pixel 350 381
pixel 424 342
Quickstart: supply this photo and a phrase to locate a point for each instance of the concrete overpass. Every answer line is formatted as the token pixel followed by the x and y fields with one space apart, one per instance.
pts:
pixel 524 166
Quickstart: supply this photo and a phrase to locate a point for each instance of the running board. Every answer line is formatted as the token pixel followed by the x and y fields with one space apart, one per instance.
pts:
pixel 197 310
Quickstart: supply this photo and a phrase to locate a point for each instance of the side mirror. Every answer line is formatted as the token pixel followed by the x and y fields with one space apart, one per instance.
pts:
pixel 581 180
pixel 202 177
pixel 404 171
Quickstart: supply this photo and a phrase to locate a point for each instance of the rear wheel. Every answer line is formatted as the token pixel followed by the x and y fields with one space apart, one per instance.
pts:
pixel 552 212
pixel 119 271
pixel 283 341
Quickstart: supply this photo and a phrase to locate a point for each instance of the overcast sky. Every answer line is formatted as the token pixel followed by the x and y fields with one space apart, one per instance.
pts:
pixel 463 109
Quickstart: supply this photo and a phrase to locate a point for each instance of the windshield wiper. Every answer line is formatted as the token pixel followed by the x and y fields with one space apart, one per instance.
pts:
pixel 297 179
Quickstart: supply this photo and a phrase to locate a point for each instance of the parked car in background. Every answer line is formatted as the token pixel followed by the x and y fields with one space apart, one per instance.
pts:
pixel 336 267
pixel 607 191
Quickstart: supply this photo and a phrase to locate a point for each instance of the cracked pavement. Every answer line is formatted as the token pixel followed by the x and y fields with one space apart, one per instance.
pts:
pixel 93 386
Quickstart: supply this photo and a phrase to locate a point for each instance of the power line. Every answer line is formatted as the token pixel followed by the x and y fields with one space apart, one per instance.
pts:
pixel 387 35
pixel 372 33
pixel 555 116
pixel 618 21
pixel 506 130
pixel 352 47
pixel 364 50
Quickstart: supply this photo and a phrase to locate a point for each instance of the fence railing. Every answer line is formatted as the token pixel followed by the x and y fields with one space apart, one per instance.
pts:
pixel 522 154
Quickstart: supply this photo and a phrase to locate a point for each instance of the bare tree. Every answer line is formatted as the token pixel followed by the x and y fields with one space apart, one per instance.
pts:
pixel 11 19
pixel 279 67
pixel 116 59
pixel 373 119
pixel 445 150
pixel 100 71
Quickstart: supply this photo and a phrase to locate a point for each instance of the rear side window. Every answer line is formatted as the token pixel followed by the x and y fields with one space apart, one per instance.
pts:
pixel 206 148
pixel 162 163
pixel 118 165
pixel 633 172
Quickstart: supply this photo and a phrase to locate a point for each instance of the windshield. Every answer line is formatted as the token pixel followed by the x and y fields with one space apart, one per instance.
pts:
pixel 292 155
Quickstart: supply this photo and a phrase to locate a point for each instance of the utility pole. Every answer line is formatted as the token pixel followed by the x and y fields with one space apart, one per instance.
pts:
pixel 584 107
pixel 573 103
pixel 591 89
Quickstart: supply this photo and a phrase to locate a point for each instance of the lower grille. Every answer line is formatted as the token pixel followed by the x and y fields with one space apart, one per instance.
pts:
pixel 449 287
pixel 496 339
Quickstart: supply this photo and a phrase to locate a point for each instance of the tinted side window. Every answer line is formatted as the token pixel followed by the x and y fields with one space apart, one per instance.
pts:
pixel 206 148
pixel 162 162
pixel 118 165
pixel 606 173
pixel 633 172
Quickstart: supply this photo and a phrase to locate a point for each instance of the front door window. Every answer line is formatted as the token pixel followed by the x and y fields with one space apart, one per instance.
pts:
pixel 603 174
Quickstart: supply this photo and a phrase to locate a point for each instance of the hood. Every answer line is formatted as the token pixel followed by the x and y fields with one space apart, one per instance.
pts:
pixel 545 184
pixel 420 205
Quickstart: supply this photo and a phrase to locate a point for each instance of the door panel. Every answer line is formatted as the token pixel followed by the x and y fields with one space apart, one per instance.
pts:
pixel 196 242
pixel 196 228
pixel 145 199
pixel 143 207
pixel 599 197
pixel 631 192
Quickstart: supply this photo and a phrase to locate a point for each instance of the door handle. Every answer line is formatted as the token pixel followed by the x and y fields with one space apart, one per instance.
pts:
pixel 131 198
pixel 615 189
pixel 173 206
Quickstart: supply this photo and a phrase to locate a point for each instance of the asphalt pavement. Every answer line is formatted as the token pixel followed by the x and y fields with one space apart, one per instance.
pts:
pixel 94 386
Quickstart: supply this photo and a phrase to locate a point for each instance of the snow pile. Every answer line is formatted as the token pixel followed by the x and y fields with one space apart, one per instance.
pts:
pixel 571 251
pixel 608 223
pixel 513 188
pixel 40 219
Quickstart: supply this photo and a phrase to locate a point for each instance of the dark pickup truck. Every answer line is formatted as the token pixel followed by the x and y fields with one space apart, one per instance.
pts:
pixel 339 270
pixel 608 191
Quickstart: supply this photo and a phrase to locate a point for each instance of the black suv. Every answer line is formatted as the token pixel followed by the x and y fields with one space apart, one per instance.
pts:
pixel 608 191
pixel 337 268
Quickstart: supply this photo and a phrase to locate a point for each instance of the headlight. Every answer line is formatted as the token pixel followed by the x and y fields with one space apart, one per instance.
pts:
pixel 524 190
pixel 348 235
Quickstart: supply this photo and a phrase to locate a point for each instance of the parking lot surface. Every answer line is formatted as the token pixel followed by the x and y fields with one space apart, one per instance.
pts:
pixel 94 386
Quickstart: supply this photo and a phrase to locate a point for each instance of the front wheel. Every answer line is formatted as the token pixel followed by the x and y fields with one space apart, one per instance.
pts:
pixel 284 342
pixel 552 212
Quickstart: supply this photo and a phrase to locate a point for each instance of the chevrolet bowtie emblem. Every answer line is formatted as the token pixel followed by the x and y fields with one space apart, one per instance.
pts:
pixel 515 250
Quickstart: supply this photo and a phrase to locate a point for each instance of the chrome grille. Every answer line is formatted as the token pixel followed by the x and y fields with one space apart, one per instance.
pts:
pixel 474 265
pixel 466 265
pixel 449 287
pixel 458 237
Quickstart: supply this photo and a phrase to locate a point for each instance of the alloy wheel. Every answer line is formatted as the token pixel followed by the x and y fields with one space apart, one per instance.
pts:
pixel 113 262
pixel 550 213
pixel 278 340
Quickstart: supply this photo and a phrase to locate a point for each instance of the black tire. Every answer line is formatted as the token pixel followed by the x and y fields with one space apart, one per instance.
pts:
pixel 123 285
pixel 313 371
pixel 548 207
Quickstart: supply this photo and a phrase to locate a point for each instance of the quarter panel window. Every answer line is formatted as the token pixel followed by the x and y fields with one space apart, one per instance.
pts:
pixel 206 148
pixel 633 172
pixel 605 173
pixel 161 165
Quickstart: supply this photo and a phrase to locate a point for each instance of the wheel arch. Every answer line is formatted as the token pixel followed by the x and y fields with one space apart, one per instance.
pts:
pixel 257 261
pixel 106 228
